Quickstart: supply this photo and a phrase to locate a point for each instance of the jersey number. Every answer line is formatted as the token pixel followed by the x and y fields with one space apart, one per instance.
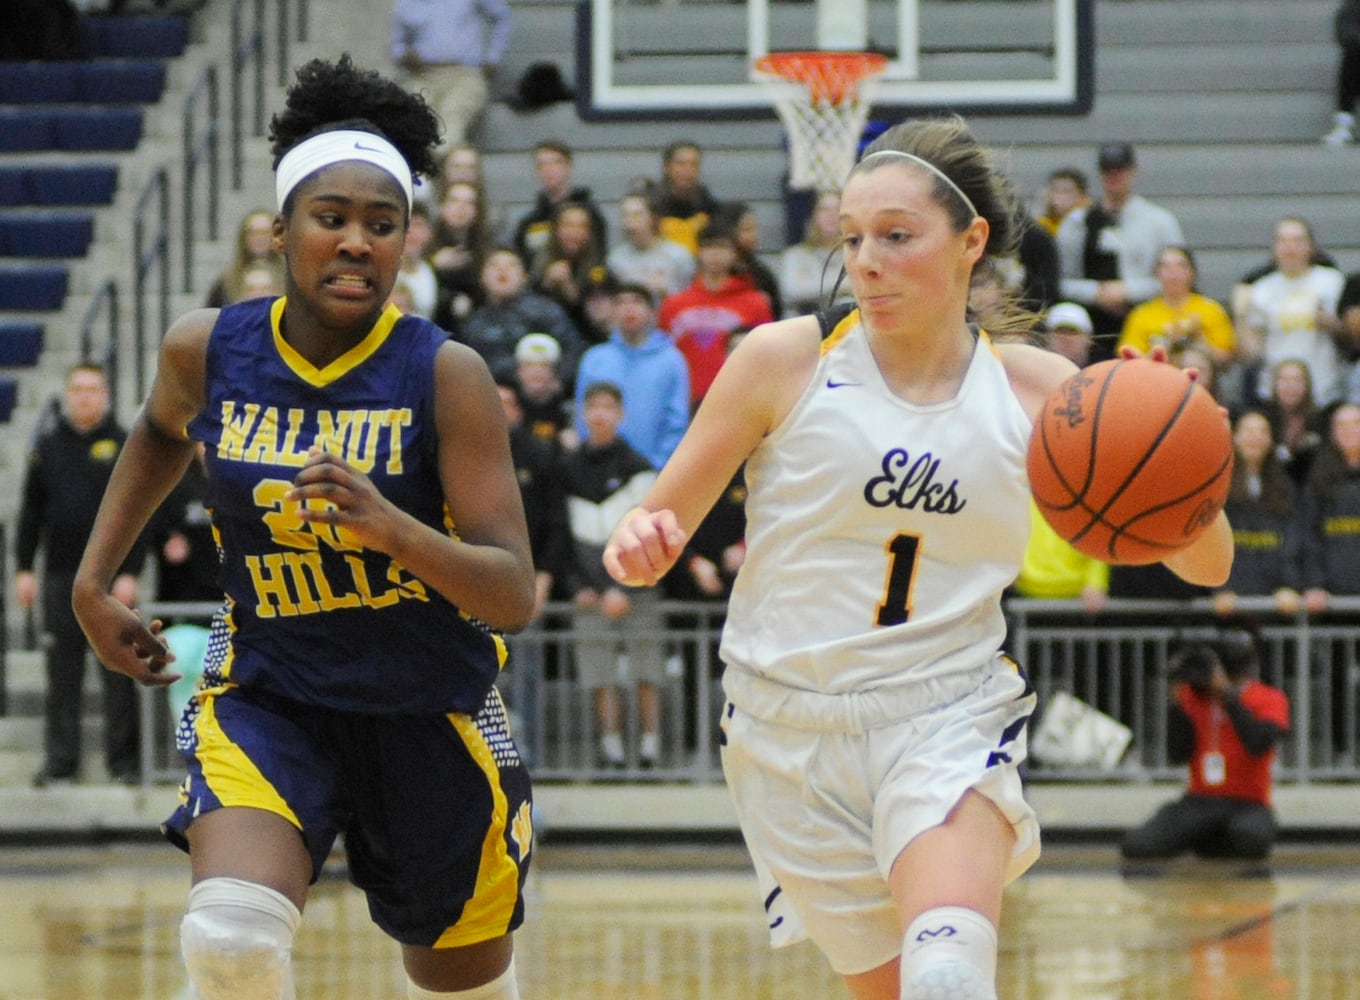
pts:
pixel 904 552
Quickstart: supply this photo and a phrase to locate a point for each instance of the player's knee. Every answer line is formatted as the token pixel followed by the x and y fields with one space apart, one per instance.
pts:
pixel 237 941
pixel 949 953
pixel 503 987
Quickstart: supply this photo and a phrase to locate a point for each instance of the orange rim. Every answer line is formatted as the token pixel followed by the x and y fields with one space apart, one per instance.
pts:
pixel 828 76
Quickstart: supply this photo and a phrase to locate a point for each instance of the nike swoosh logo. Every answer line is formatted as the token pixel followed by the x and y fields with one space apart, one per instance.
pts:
pixel 367 149
pixel 831 383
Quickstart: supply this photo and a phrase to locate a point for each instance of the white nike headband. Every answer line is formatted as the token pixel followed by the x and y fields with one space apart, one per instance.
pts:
pixel 339 146
pixel 949 182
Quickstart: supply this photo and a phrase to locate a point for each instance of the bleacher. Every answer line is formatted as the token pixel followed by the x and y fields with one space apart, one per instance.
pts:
pixel 63 126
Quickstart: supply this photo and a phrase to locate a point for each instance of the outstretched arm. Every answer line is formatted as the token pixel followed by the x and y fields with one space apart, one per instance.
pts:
pixel 151 462
pixel 754 390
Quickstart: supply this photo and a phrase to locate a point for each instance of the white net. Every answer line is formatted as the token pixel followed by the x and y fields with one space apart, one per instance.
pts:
pixel 824 115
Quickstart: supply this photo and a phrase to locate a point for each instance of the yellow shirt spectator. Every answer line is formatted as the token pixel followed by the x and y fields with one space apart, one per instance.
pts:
pixel 1179 317
pixel 1053 570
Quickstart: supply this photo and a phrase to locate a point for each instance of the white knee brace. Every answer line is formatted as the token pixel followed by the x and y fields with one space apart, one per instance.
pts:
pixel 503 987
pixel 237 941
pixel 949 953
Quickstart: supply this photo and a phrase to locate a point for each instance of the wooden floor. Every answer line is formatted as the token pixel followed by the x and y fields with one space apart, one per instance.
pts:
pixel 683 922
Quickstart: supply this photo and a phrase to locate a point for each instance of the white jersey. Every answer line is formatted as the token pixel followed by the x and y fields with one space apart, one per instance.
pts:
pixel 880 537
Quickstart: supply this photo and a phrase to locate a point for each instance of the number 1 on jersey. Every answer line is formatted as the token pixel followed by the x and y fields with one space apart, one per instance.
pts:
pixel 904 551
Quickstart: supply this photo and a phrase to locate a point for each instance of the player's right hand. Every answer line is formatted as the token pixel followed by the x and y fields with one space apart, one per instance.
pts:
pixel 124 643
pixel 644 547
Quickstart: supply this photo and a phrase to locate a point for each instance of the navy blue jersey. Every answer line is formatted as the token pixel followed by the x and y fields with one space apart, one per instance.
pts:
pixel 310 614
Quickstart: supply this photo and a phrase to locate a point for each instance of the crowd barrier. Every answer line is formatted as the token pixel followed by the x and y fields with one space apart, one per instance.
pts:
pixel 1116 662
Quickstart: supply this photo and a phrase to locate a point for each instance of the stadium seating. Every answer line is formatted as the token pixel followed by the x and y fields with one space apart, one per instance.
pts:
pixel 62 125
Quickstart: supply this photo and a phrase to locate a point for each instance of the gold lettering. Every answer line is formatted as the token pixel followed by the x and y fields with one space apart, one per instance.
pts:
pixel 271 588
pixel 327 599
pixel 235 430
pixel 396 420
pixel 263 445
pixel 289 454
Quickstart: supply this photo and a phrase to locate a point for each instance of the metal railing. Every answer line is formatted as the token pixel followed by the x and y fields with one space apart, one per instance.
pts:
pixel 1117 662
pixel 104 305
pixel 150 259
pixel 200 151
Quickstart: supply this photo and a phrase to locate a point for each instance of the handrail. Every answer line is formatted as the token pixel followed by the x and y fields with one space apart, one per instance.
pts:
pixel 150 252
pixel 246 49
pixel 200 147
pixel 4 619
pixel 105 302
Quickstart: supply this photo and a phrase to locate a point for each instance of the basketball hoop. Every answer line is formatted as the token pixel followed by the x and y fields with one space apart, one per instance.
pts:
pixel 823 100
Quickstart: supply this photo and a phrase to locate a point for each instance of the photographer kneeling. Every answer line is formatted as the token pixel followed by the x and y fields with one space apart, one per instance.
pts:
pixel 1226 724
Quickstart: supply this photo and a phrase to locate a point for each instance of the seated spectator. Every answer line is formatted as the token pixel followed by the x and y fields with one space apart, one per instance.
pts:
pixel 254 245
pixel 1298 426
pixel 741 219
pixel 259 280
pixel 509 311
pixel 811 268
pixel 651 372
pixel 645 256
pixel 564 267
pixel 719 301
pixel 1053 570
pixel 1226 725
pixel 1065 190
pixel 1069 332
pixel 1292 313
pixel 416 273
pixel 683 201
pixel 458 247
pixel 1179 315
pixel 545 405
pixel 553 166
pixel 1263 509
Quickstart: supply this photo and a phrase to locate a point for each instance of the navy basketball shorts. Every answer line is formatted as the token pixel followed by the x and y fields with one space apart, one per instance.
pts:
pixel 435 810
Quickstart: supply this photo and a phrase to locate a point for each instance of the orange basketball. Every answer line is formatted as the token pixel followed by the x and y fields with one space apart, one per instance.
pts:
pixel 1130 460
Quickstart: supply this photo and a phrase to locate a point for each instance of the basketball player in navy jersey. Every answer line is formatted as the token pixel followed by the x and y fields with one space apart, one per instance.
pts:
pixel 373 542
pixel 873 732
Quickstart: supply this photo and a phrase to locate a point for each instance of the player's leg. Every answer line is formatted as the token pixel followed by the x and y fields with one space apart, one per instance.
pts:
pixel 948 883
pixel 482 971
pixel 250 871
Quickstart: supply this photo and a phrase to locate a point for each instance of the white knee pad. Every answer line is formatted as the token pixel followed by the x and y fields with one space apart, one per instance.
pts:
pixel 949 953
pixel 503 987
pixel 237 941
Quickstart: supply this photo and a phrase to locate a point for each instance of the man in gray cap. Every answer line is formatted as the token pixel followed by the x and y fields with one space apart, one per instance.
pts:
pixel 1108 250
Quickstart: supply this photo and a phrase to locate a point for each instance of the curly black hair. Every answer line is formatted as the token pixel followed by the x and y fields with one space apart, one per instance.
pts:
pixel 331 95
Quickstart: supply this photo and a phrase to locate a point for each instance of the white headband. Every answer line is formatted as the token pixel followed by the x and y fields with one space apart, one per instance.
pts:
pixel 329 148
pixel 968 202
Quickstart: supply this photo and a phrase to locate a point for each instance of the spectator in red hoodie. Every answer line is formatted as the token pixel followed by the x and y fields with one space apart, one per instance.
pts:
pixel 720 301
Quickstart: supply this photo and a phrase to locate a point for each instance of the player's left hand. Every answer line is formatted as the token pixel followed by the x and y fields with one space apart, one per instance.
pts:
pixel 332 492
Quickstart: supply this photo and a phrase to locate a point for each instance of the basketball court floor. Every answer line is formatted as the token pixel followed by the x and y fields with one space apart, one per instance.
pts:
pixel 683 922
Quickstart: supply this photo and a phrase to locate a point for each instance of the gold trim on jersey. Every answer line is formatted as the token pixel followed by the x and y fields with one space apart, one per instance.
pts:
pixel 227 769
pixel 488 913
pixel 355 356
pixel 841 331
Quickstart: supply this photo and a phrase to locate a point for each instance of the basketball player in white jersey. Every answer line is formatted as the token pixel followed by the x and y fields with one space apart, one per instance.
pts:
pixel 873 731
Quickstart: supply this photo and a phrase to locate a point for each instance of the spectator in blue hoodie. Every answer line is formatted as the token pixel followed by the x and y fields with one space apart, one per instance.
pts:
pixel 644 362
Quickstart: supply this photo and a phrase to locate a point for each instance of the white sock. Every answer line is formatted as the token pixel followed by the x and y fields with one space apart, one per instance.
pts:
pixel 949 953
pixel 611 745
pixel 649 746
pixel 503 987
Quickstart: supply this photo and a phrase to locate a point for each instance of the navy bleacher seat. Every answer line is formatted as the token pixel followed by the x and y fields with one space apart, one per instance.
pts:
pixel 97 128
pixel 32 286
pixel 121 81
pixel 46 233
pixel 9 396
pixel 27 130
pixel 20 343
pixel 97 81
pixel 132 36
pixel 79 184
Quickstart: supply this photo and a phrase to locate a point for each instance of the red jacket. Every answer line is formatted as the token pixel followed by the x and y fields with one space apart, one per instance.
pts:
pixel 699 320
